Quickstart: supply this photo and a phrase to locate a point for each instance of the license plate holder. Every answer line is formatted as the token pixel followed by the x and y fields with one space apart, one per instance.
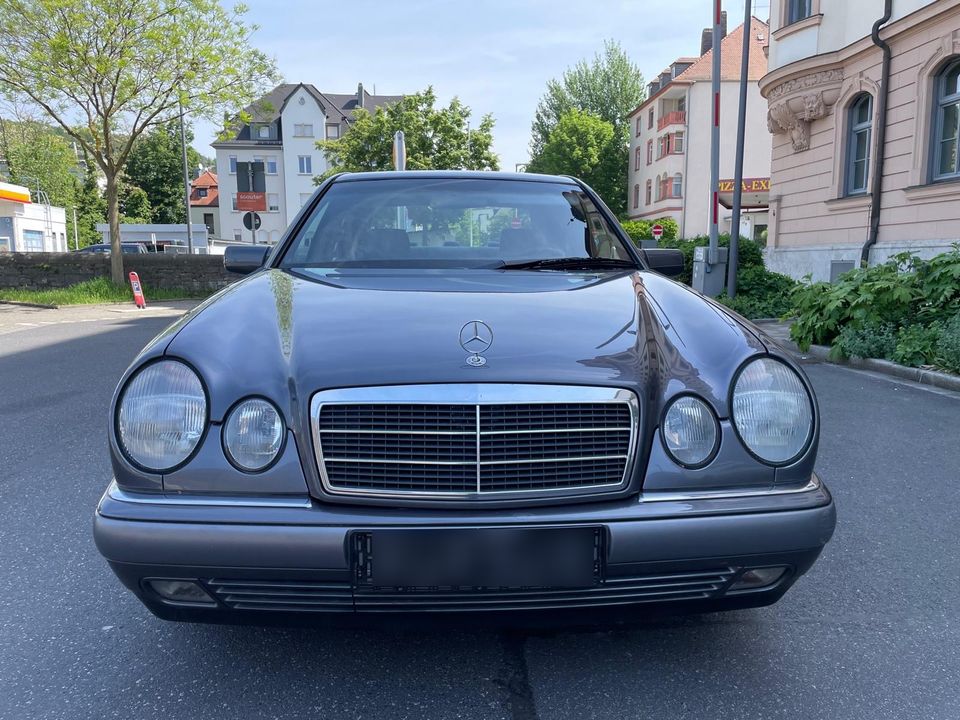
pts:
pixel 478 558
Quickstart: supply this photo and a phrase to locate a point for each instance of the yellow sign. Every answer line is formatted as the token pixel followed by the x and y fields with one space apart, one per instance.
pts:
pixel 749 185
pixel 16 193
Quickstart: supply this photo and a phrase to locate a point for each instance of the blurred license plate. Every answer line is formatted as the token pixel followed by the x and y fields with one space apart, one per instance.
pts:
pixel 479 558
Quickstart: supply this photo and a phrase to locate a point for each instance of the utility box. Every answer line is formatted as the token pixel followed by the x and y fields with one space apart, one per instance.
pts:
pixel 709 279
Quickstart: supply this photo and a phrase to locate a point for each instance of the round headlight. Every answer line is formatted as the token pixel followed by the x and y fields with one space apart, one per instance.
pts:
pixel 772 411
pixel 690 431
pixel 253 434
pixel 161 415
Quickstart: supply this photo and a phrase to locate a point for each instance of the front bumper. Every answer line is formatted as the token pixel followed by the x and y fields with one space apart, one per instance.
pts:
pixel 263 559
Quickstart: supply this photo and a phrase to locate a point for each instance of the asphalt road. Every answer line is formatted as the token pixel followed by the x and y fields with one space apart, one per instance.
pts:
pixel 872 632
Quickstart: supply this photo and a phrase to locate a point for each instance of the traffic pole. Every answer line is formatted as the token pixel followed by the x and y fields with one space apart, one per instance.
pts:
pixel 713 255
pixel 733 259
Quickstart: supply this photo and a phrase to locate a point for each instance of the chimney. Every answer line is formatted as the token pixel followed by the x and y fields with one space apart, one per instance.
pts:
pixel 360 95
pixel 723 24
pixel 706 40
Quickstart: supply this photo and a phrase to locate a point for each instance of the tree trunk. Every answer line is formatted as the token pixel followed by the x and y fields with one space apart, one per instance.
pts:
pixel 113 218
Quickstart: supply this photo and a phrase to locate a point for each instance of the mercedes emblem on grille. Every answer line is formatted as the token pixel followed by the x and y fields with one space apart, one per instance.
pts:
pixel 476 337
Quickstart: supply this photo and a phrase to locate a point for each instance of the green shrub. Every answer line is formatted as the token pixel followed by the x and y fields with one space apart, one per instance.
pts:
pixel 760 293
pixel 866 341
pixel 901 292
pixel 637 230
pixel 750 252
pixel 642 229
pixel 947 353
pixel 917 344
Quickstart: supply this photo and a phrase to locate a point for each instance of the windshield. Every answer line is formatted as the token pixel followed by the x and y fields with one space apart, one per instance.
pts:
pixel 451 222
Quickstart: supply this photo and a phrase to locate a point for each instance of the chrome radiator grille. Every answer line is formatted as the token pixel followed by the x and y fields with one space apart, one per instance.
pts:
pixel 456 441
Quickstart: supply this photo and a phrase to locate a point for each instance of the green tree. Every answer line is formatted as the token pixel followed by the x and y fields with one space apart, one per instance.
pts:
pixel 610 87
pixel 123 67
pixel 134 204
pixel 435 138
pixel 91 207
pixel 39 157
pixel 156 166
pixel 585 146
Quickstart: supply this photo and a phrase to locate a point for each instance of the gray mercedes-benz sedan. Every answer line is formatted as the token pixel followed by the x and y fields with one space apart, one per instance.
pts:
pixel 460 392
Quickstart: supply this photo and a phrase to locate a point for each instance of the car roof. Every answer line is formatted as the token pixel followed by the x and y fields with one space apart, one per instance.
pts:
pixel 453 175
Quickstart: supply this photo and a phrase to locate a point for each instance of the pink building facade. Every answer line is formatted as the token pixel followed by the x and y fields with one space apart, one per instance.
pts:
pixel 823 91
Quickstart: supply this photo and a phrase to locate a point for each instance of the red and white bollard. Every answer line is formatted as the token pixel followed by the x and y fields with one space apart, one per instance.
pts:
pixel 138 297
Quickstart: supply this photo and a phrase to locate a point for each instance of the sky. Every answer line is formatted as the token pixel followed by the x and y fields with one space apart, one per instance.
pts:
pixel 495 55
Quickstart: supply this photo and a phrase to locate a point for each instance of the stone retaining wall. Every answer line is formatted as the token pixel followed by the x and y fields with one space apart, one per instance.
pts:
pixel 40 271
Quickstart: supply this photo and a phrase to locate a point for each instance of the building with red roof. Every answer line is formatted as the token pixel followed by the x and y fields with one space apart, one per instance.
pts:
pixel 205 202
pixel 669 174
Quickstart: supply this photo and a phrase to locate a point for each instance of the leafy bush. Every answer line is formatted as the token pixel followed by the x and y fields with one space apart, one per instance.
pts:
pixel 865 341
pixel 642 229
pixel 917 344
pixel 901 292
pixel 948 345
pixel 750 254
pixel 760 293
pixel 637 230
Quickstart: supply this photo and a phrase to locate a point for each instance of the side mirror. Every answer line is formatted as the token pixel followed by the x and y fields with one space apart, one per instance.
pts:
pixel 665 261
pixel 245 260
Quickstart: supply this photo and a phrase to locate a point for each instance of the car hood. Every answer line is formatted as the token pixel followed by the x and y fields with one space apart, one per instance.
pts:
pixel 284 335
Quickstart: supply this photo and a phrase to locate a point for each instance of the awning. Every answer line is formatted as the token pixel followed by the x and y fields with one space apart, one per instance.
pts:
pixel 14 193
pixel 755 193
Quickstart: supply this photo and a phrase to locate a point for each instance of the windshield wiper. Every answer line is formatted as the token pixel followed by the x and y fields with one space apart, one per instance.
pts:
pixel 570 263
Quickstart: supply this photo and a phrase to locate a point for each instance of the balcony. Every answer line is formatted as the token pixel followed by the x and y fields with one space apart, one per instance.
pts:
pixel 675 117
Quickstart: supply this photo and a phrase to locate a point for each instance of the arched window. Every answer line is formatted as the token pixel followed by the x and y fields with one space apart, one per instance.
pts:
pixel 649 191
pixel 859 133
pixel 636 195
pixel 677 186
pixel 636 159
pixel 946 159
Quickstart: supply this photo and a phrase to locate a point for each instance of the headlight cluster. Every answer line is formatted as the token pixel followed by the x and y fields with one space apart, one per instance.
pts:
pixel 771 410
pixel 162 416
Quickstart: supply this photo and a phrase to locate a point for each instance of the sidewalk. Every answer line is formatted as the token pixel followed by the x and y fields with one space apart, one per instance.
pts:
pixel 20 317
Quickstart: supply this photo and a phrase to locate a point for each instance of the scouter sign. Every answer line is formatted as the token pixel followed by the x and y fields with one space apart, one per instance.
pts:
pixel 657 231
pixel 138 297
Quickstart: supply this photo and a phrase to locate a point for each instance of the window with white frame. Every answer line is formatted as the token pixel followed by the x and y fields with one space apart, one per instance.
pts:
pixel 650 119
pixel 233 164
pixel 233 201
pixel 798 10
pixel 270 165
pixel 273 202
pixel 636 196
pixel 636 159
pixel 677 190
pixel 859 130
pixel 201 192
pixel 333 131
pixel 946 147
pixel 639 125
pixel 649 192
pixel 678 143
pixel 263 132
pixel 303 130
pixel 649 151
pixel 33 240
pixel 305 164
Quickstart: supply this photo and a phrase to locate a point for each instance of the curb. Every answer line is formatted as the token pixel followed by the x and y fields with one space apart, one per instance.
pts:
pixel 20 303
pixel 934 378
